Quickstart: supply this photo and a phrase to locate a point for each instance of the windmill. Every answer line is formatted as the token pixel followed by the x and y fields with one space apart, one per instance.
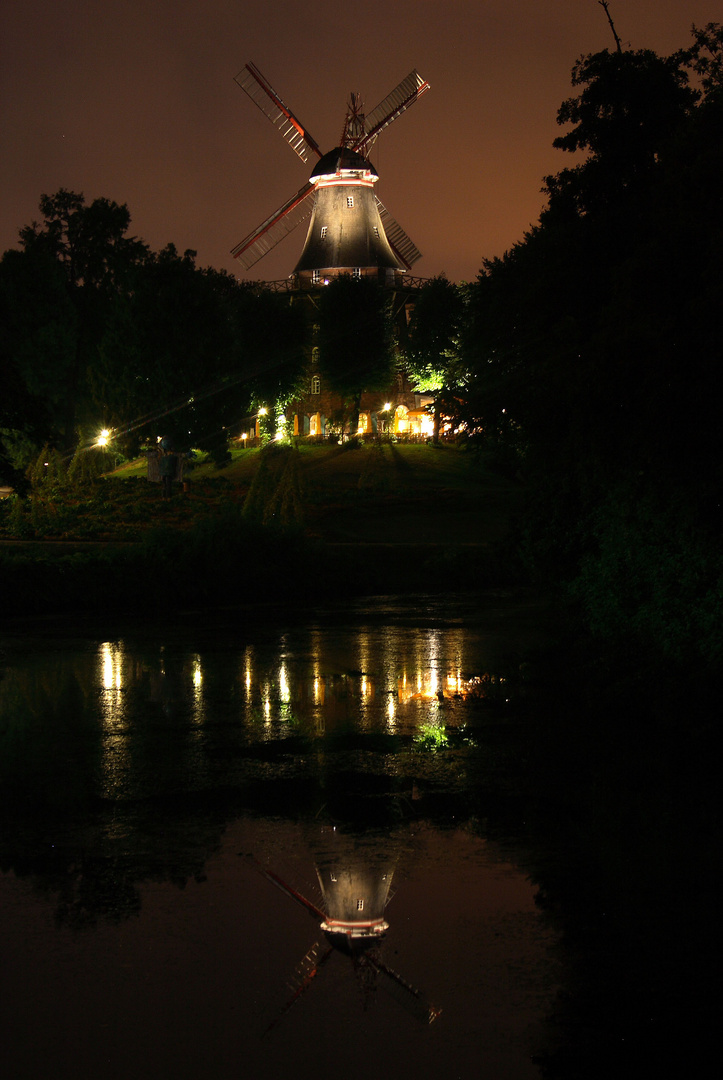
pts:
pixel 355 893
pixel 350 231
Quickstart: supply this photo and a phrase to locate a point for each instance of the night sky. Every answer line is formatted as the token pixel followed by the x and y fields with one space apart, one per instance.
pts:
pixel 134 100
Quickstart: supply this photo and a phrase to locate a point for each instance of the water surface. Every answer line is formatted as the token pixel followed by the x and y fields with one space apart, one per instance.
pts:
pixel 185 805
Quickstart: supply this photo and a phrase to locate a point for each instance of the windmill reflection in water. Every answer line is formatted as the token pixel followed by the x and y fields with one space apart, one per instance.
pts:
pixel 354 895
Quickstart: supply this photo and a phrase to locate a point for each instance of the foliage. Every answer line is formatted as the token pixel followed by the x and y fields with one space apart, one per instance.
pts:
pixel 432 354
pixel 58 290
pixel 356 339
pixel 275 333
pixel 97 330
pixel 38 337
pixel 596 351
pixel 432 736
pixel 88 242
pixel 705 59
pixel 630 103
pixel 170 355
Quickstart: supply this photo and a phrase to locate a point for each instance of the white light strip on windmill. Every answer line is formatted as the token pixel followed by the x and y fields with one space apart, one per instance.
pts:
pixel 335 181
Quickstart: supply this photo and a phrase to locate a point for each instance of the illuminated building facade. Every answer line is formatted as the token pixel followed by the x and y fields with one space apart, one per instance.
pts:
pixel 395 411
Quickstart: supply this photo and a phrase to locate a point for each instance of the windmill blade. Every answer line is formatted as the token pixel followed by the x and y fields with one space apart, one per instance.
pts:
pixel 283 221
pixel 289 890
pixel 405 994
pixel 401 244
pixel 304 973
pixel 261 92
pixel 394 104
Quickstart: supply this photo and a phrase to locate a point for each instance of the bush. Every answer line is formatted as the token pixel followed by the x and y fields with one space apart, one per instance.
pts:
pixel 655 575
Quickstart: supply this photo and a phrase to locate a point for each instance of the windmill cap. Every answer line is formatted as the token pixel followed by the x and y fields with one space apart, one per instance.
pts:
pixel 340 158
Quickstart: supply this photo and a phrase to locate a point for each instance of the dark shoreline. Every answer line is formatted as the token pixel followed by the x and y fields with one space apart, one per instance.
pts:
pixel 167 572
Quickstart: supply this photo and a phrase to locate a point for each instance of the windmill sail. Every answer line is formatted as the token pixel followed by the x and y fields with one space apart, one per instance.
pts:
pixel 253 83
pixel 394 104
pixel 406 995
pixel 305 971
pixel 267 235
pixel 401 244
pixel 289 890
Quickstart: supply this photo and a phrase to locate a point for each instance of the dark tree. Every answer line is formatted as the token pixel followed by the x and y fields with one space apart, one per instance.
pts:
pixel 38 345
pixel 169 357
pixel 72 266
pixel 356 339
pixel 629 105
pixel 433 347
pixel 99 331
pixel 187 349
pixel 596 350
pixel 275 334
pixel 705 59
pixel 88 240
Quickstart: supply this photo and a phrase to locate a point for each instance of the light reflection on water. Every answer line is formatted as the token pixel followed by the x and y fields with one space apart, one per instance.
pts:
pixel 389 670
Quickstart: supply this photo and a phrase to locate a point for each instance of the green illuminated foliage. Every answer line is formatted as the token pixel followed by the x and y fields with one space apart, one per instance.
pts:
pixel 432 736
pixel 433 356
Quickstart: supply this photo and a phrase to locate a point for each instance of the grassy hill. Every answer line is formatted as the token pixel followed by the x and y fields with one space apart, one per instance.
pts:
pixel 383 518
pixel 380 493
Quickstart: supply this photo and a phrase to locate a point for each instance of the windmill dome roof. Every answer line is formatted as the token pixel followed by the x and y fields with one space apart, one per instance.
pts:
pixel 341 157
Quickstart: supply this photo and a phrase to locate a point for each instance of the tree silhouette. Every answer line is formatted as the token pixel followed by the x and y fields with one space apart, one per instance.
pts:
pixel 356 340
pixel 432 354
pixel 71 267
pixel 597 357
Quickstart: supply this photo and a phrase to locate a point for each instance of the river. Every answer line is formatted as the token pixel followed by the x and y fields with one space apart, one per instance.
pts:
pixel 266 843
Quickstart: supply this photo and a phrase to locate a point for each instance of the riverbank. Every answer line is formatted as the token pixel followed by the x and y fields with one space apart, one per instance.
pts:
pixel 285 524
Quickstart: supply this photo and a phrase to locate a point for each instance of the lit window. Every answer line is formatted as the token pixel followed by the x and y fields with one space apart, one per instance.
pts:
pixel 315 384
pixel 323 232
pixel 316 276
pixel 376 231
pixel 360 905
pixel 350 201
pixel 356 272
